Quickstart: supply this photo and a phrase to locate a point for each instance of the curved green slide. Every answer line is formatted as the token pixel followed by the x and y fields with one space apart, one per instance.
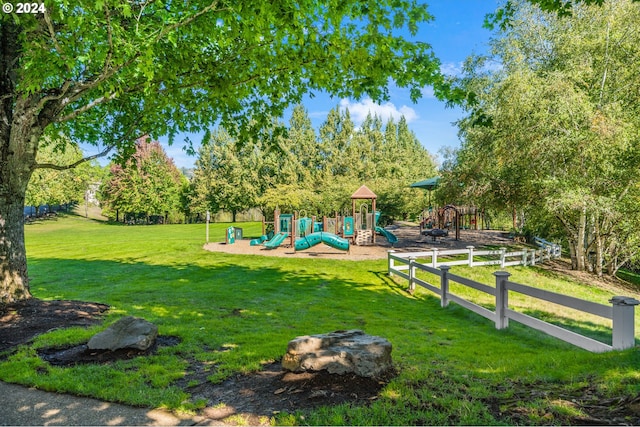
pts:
pixel 260 240
pixel 276 240
pixel 391 238
pixel 328 239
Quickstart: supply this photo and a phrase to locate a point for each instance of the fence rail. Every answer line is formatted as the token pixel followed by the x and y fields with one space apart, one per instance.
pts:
pixel 621 311
pixel 496 256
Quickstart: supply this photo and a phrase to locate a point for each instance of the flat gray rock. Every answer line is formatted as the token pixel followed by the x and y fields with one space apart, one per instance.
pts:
pixel 339 352
pixel 128 332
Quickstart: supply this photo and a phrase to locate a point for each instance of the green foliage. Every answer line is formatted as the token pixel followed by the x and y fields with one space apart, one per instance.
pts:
pixel 53 182
pixel 226 175
pixel 148 184
pixel 143 66
pixel 557 123
pixel 563 8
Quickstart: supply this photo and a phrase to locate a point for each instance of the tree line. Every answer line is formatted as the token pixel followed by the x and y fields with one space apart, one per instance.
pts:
pixel 299 169
pixel 553 137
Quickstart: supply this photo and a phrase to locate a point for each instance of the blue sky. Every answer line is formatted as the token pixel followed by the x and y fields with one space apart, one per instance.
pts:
pixel 455 33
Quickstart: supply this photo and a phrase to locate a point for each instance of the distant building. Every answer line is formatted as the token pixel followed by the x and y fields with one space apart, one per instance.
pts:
pixel 91 195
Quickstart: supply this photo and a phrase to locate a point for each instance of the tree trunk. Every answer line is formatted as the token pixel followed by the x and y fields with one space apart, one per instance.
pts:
pixel 23 118
pixel 599 241
pixel 580 241
pixel 572 252
pixel 611 265
pixel 13 259
pixel 17 159
pixel 18 148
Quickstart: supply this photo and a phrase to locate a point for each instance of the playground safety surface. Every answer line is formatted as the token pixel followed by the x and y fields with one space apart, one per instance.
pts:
pixel 409 240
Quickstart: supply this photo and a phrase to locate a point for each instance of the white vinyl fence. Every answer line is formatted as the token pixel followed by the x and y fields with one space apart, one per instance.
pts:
pixel 473 258
pixel 621 311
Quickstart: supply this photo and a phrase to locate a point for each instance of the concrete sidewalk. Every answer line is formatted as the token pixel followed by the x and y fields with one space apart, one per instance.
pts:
pixel 22 406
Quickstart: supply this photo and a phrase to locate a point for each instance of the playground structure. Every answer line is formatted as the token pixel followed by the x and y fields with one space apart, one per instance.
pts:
pixel 302 232
pixel 448 217
pixel 439 221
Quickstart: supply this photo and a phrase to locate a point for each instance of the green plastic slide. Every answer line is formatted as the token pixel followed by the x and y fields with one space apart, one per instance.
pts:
pixel 391 238
pixel 276 240
pixel 328 239
pixel 258 241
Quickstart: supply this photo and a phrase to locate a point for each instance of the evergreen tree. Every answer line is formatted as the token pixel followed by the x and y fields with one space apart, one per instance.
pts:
pixel 225 177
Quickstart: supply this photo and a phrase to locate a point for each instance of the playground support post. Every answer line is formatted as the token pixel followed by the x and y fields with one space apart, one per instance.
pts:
pixel 276 221
pixel 293 233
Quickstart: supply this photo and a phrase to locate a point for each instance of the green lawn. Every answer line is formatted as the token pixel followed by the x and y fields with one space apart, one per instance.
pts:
pixel 451 361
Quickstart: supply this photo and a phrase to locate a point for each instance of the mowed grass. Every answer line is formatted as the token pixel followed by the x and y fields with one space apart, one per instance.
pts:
pixel 234 313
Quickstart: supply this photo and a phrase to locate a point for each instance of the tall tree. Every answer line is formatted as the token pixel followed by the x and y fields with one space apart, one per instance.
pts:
pixel 225 176
pixel 559 122
pixel 105 72
pixel 336 149
pixel 148 184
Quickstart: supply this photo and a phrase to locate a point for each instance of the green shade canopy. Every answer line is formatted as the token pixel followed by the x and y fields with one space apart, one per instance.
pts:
pixel 427 184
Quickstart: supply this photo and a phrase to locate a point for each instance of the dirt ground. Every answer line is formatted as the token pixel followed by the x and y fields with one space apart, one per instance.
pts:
pixel 258 396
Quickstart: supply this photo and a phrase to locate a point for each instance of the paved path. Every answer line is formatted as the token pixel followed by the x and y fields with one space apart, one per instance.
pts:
pixel 22 406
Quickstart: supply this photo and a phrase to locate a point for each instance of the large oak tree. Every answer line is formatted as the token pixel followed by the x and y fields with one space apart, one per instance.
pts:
pixel 108 71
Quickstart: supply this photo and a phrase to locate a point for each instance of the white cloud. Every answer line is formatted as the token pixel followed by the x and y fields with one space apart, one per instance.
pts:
pixel 453 69
pixel 359 110
pixel 427 92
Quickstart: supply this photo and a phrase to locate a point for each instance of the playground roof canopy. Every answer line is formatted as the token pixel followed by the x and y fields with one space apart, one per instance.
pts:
pixel 427 184
pixel 364 193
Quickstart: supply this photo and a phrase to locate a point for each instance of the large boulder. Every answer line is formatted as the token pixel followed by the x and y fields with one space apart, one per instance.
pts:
pixel 128 332
pixel 339 352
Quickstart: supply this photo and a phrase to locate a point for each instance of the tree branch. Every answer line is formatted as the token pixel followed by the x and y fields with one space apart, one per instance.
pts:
pixel 186 21
pixel 52 34
pixel 87 107
pixel 74 164
pixel 109 39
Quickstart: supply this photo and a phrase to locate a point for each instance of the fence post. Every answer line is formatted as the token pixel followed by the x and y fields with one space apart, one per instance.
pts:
pixel 444 285
pixel 623 322
pixel 502 257
pixel 533 257
pixel 502 299
pixel 412 274
pixel 470 255
pixel 391 263
pixel 524 257
pixel 434 257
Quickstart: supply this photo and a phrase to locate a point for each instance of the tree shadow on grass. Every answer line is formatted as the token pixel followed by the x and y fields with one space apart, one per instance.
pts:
pixel 235 319
pixel 228 317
